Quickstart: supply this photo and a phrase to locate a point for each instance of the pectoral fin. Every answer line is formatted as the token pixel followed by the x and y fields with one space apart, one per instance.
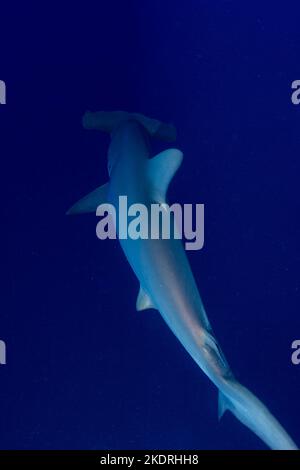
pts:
pixel 90 202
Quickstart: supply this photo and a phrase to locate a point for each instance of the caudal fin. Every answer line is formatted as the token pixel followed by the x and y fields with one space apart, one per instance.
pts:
pixel 107 121
pixel 248 409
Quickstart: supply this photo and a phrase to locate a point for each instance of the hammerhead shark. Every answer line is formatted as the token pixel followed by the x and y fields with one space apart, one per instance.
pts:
pixel 161 265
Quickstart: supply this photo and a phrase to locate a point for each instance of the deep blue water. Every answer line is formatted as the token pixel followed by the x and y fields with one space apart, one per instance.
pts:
pixel 84 369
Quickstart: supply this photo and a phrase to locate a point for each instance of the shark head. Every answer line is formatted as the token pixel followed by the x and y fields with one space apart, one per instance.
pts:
pixel 130 140
pixel 131 133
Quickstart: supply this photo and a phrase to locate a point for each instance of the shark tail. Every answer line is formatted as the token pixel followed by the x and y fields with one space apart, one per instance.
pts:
pixel 250 411
pixel 108 121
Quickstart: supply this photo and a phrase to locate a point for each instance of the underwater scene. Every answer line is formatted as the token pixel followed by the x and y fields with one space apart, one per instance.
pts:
pixel 150 273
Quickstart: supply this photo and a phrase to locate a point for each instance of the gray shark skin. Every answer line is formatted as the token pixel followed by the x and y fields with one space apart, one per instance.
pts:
pixel 161 266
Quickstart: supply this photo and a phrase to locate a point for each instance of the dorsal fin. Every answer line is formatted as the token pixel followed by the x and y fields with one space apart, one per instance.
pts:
pixel 161 170
pixel 143 301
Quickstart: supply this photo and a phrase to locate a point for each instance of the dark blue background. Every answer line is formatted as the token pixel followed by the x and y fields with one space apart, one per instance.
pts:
pixel 84 370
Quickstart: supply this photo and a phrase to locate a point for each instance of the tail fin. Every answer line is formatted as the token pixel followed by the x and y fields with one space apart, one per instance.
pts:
pixel 250 411
pixel 110 120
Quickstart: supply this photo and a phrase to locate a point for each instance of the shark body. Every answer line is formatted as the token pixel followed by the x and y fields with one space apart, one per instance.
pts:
pixel 161 266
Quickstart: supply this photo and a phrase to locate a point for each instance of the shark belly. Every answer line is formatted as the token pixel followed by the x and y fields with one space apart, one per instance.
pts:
pixel 164 273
